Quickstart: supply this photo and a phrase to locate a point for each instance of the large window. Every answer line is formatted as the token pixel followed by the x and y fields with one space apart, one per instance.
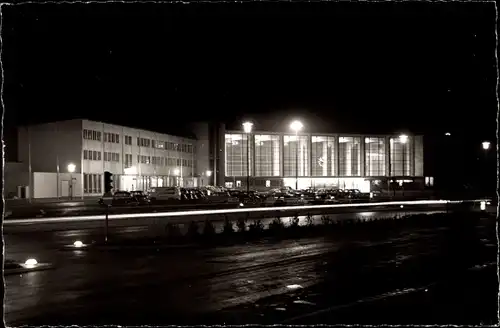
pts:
pixel 323 156
pixel 375 157
pixel 267 155
pixel 400 157
pixel 236 155
pixel 296 147
pixel 92 183
pixel 349 156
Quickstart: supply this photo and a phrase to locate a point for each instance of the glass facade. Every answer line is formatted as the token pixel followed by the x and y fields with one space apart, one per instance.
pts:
pixel 323 157
pixel 295 148
pixel 237 151
pixel 267 155
pixel 320 158
pixel 374 157
pixel 400 157
pixel 349 156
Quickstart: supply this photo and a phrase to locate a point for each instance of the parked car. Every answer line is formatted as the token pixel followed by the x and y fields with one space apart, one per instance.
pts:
pixel 221 197
pixel 141 197
pixel 164 194
pixel 121 198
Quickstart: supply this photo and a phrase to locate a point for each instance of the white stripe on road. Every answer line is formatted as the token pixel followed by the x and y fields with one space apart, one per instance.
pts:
pixel 220 211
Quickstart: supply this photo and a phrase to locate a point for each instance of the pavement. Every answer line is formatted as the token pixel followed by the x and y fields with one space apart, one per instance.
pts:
pixel 262 282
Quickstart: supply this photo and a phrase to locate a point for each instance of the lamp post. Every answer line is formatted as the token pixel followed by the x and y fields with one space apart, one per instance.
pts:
pixel 296 126
pixel 403 139
pixel 176 173
pixel 71 170
pixel 208 173
pixel 247 127
pixel 486 146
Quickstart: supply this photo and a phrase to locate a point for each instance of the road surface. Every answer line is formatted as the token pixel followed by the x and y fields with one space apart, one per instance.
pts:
pixel 40 240
pixel 259 282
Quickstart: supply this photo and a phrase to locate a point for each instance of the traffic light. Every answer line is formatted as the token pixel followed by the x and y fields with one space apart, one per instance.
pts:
pixel 108 182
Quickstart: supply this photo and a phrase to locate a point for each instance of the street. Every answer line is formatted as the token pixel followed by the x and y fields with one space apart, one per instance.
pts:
pixel 262 282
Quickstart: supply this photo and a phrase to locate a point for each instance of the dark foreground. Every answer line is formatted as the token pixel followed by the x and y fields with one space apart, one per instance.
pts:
pixel 426 275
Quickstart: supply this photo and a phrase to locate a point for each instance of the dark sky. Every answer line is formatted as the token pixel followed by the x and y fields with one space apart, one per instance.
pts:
pixel 347 67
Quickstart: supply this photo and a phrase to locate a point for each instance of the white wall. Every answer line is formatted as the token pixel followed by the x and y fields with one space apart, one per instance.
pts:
pixel 45 184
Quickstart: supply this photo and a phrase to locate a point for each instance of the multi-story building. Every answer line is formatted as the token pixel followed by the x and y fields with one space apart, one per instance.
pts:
pixel 138 159
pixel 365 162
pixel 141 159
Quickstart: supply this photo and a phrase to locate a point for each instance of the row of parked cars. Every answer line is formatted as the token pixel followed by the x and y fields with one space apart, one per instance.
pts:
pixel 283 196
pixel 170 195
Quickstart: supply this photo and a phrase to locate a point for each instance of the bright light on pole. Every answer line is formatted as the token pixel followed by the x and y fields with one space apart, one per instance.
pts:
pixel 71 169
pixel 176 171
pixel 247 127
pixel 296 126
pixel 486 145
pixel 208 173
pixel 403 139
pixel 447 134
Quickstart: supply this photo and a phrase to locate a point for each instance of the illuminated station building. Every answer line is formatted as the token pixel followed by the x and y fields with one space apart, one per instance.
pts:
pixel 312 160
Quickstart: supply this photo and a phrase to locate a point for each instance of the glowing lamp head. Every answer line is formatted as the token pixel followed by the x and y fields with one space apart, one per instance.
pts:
pixel 296 126
pixel 78 244
pixel 208 173
pixel 247 127
pixel 447 134
pixel 177 171
pixel 486 145
pixel 403 138
pixel 31 263
pixel 71 168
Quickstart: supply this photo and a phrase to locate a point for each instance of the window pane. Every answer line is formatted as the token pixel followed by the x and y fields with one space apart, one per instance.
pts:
pixel 296 155
pixel 400 157
pixel 349 156
pixel 375 156
pixel 237 155
pixel 267 155
pixel 323 156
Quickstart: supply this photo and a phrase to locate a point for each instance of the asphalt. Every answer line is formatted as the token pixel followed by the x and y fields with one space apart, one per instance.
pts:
pixel 25 240
pixel 262 282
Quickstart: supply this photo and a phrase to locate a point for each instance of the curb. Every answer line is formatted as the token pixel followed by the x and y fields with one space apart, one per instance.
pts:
pixel 23 269
pixel 103 247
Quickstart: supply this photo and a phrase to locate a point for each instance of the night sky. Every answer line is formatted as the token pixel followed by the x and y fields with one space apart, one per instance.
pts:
pixel 340 67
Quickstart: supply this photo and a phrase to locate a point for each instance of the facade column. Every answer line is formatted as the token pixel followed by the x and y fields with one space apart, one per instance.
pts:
pixel 337 156
pixel 252 157
pixel 282 157
pixel 309 156
pixel 411 140
pixel 388 168
pixel 326 156
pixel 362 157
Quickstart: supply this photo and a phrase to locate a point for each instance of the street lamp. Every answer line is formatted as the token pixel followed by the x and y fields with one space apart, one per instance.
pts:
pixel 247 127
pixel 296 126
pixel 486 146
pixel 71 170
pixel 403 139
